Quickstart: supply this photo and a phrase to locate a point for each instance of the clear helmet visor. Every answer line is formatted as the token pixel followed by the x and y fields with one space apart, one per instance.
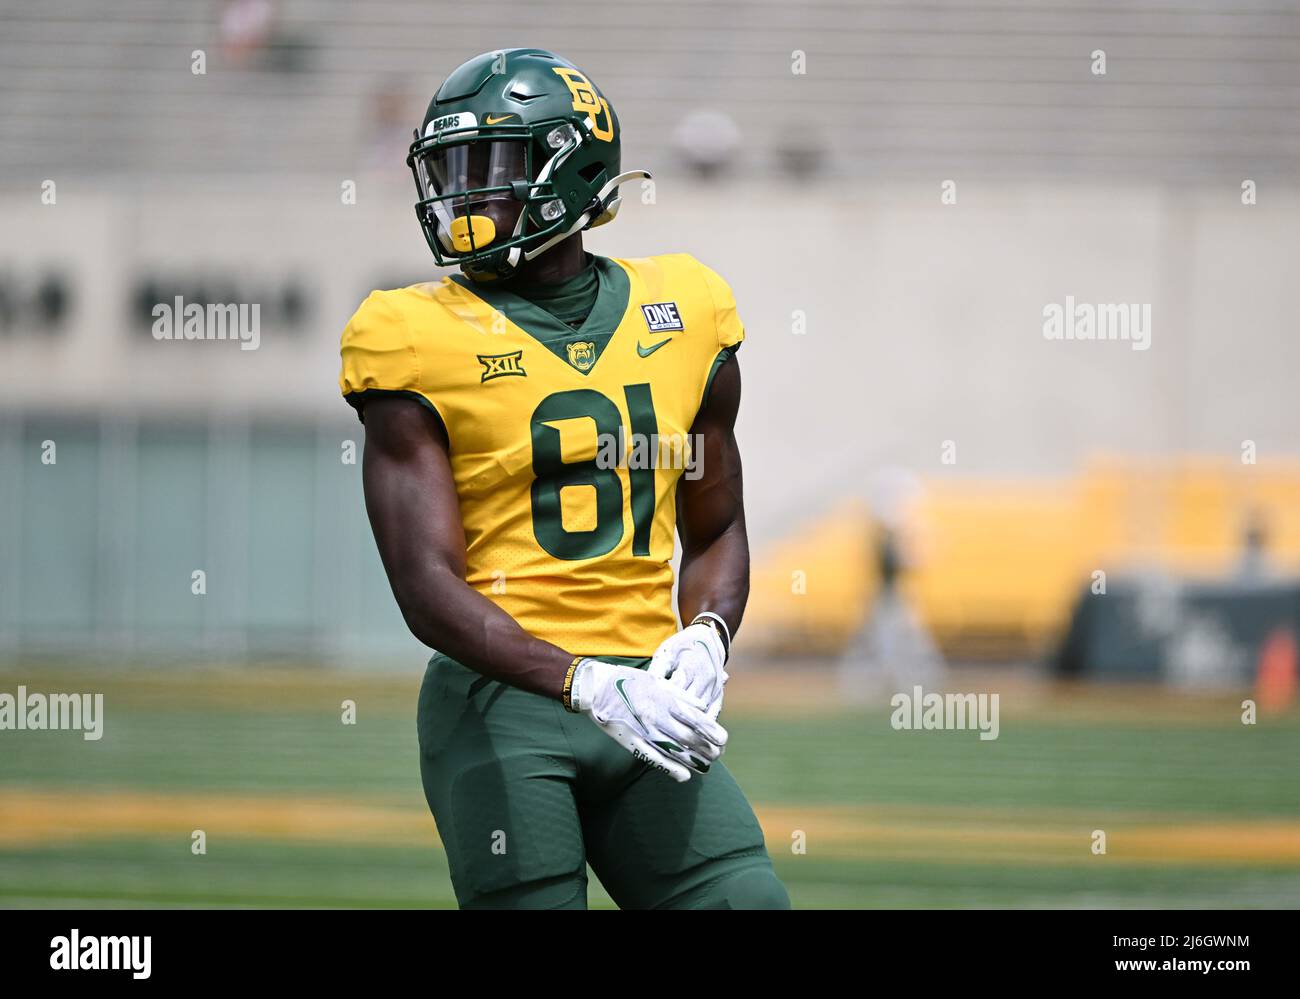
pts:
pixel 471 166
pixel 468 186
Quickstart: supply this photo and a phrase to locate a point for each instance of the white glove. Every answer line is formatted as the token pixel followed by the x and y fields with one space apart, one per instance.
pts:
pixel 695 660
pixel 654 720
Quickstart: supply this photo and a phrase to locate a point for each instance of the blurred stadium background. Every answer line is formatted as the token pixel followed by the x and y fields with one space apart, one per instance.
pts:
pixel 904 412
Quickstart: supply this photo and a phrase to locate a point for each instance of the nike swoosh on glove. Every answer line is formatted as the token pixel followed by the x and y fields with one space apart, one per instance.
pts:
pixel 654 720
pixel 695 660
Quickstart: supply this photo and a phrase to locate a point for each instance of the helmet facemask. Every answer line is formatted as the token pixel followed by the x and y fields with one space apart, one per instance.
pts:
pixel 488 193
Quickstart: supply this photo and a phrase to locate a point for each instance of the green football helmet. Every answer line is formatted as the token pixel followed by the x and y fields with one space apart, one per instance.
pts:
pixel 518 151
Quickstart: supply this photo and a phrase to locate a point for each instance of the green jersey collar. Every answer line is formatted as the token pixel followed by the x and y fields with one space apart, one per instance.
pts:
pixel 580 348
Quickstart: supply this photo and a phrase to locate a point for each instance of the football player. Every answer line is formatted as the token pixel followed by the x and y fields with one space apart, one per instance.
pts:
pixel 515 416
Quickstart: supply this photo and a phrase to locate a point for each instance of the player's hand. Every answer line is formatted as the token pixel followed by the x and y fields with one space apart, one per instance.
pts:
pixel 656 721
pixel 694 659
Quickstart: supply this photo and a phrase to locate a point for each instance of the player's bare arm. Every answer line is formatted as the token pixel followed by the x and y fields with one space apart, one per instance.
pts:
pixel 714 573
pixel 713 583
pixel 415 516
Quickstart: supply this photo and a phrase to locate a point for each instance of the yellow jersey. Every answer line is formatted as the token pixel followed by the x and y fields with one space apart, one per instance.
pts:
pixel 566 444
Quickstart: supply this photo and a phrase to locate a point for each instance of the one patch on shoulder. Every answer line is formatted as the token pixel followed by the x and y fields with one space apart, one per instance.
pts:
pixel 662 316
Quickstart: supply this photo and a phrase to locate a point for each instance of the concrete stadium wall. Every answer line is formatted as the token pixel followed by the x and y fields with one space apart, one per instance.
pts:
pixel 923 320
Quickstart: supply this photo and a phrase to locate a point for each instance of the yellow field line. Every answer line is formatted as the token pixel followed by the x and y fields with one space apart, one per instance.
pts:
pixel 973 834
pixel 33 817
pixel 1024 837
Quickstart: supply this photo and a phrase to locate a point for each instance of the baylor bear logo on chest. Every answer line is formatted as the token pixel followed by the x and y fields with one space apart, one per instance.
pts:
pixel 582 354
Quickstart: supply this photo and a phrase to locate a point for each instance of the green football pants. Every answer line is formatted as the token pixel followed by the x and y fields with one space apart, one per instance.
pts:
pixel 526 795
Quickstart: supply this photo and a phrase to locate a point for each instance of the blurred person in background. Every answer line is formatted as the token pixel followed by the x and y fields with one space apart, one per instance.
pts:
pixel 707 141
pixel 1253 565
pixel 892 651
pixel 246 28
pixel 389 128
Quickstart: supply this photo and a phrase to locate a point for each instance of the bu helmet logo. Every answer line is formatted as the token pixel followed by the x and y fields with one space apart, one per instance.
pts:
pixel 587 101
pixel 499 365
pixel 582 354
pixel 661 316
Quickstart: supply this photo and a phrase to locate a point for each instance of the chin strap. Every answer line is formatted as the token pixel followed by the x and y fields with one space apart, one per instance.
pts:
pixel 581 221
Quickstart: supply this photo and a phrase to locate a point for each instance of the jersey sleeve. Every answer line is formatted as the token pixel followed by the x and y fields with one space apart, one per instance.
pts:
pixel 727 321
pixel 379 358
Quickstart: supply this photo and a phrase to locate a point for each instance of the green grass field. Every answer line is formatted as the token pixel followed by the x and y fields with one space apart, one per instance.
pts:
pixel 301 810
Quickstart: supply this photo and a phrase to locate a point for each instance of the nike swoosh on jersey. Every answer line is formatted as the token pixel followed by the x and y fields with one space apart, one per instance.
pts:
pixel 647 351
